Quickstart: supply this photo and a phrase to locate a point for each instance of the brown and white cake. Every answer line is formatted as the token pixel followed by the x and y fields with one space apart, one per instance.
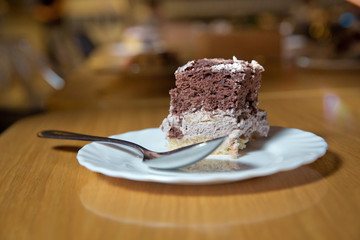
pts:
pixel 214 98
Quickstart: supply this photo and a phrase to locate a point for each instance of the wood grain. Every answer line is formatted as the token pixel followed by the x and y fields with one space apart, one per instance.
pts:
pixel 46 194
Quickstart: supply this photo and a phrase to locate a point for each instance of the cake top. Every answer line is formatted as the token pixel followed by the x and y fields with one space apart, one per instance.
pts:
pixel 220 64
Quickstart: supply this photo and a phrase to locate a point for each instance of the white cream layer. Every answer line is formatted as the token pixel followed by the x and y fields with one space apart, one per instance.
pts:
pixel 217 123
pixel 236 66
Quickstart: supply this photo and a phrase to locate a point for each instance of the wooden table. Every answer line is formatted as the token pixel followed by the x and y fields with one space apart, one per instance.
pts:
pixel 46 194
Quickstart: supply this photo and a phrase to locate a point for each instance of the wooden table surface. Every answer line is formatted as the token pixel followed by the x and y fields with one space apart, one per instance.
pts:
pixel 46 194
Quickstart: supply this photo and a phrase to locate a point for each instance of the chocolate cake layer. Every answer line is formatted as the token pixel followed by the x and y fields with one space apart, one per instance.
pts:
pixel 211 84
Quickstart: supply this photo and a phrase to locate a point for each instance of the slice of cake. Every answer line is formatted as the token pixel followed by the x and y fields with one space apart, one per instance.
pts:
pixel 214 98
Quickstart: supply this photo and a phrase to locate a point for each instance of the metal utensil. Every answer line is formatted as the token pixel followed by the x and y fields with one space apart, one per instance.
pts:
pixel 177 158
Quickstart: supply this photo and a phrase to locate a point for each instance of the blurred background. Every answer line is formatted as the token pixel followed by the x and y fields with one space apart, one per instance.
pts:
pixel 72 54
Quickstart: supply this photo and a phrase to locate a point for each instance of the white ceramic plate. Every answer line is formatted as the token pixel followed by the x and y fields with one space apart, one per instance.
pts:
pixel 284 149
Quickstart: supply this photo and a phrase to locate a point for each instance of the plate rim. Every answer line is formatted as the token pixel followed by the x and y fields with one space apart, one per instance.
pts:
pixel 153 175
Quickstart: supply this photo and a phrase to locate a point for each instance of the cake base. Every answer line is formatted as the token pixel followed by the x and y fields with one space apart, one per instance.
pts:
pixel 231 146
